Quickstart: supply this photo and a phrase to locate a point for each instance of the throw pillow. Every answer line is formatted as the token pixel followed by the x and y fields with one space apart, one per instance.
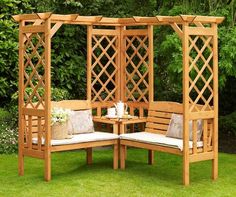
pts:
pixel 175 128
pixel 81 121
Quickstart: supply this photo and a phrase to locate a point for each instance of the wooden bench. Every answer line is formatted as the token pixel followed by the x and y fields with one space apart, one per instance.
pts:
pixel 36 145
pixel 154 139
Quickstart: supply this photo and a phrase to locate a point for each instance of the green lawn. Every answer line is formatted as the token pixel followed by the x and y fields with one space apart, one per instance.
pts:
pixel 71 177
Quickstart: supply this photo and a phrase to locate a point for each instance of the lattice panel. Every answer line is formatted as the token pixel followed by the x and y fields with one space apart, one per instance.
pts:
pixel 104 67
pixel 34 70
pixel 136 68
pixel 200 73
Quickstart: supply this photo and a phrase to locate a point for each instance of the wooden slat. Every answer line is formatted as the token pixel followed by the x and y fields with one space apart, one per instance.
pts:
pixel 33 112
pixel 73 104
pixel 166 106
pixel 106 32
pixel 159 114
pixel 194 136
pixel 135 32
pixel 201 31
pixel 150 147
pixel 200 157
pixel 157 126
pixel 205 124
pixel 33 29
pixel 158 120
pixel 29 136
pixel 201 115
pixel 33 153
pixel 155 131
pixel 83 145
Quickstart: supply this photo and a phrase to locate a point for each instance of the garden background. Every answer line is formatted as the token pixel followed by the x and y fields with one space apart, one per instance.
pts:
pixel 69 55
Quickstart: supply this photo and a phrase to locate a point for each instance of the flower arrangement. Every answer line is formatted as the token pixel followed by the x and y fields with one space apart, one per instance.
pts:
pixel 59 115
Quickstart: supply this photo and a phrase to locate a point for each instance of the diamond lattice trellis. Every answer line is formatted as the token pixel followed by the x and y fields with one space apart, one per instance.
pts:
pixel 104 68
pixel 136 68
pixel 200 73
pixel 34 70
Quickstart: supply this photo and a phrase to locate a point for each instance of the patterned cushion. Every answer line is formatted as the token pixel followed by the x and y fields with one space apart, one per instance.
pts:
pixel 81 122
pixel 175 128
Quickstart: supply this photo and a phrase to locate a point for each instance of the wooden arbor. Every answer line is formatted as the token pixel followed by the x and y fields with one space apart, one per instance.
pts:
pixel 119 67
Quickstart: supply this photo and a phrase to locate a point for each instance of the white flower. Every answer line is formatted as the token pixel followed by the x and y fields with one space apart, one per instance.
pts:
pixel 59 115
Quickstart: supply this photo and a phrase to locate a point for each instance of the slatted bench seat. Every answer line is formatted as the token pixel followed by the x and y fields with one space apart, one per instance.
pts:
pixel 154 138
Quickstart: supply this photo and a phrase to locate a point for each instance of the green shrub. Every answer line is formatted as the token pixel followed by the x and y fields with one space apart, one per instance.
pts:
pixel 8 139
pixel 5 116
pixel 227 124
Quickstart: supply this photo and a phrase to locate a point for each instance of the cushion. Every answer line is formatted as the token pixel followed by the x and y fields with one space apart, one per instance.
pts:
pixel 81 122
pixel 82 138
pixel 157 139
pixel 175 128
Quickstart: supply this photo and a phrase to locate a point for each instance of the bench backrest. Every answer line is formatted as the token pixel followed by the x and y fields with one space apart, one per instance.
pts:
pixel 159 115
pixel 73 104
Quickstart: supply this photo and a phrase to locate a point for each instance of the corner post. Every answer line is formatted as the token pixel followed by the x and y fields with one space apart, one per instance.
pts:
pixel 21 101
pixel 47 154
pixel 185 47
pixel 215 103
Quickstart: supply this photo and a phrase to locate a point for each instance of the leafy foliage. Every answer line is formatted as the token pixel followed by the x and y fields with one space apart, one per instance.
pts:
pixel 227 124
pixel 9 45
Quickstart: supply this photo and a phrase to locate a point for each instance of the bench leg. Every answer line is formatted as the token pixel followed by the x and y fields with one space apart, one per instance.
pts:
pixel 150 157
pixel 185 170
pixel 47 166
pixel 115 156
pixel 215 168
pixel 20 163
pixel 122 156
pixel 89 154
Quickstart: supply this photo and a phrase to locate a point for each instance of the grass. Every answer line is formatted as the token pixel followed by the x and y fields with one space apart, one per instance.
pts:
pixel 71 177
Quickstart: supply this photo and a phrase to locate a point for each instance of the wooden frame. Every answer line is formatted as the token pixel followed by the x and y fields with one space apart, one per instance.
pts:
pixel 200 73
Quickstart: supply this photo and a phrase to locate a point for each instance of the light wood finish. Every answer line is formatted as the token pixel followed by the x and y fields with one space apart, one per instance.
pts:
pixel 215 103
pixel 99 20
pixel 158 119
pixel 21 101
pixel 124 74
pixel 185 48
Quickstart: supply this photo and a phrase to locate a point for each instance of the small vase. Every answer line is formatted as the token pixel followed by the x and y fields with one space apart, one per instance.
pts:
pixel 59 131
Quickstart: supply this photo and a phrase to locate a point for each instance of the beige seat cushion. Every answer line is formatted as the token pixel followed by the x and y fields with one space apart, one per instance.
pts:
pixel 157 139
pixel 175 128
pixel 82 138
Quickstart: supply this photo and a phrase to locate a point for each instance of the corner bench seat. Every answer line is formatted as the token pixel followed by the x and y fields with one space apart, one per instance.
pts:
pixel 157 139
pixel 82 138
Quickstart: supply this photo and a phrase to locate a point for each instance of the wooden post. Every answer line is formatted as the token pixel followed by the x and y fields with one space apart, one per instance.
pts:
pixel 89 61
pixel 21 101
pixel 150 61
pixel 118 64
pixel 89 153
pixel 185 47
pixel 115 156
pixel 151 83
pixel 215 103
pixel 47 159
pixel 122 65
